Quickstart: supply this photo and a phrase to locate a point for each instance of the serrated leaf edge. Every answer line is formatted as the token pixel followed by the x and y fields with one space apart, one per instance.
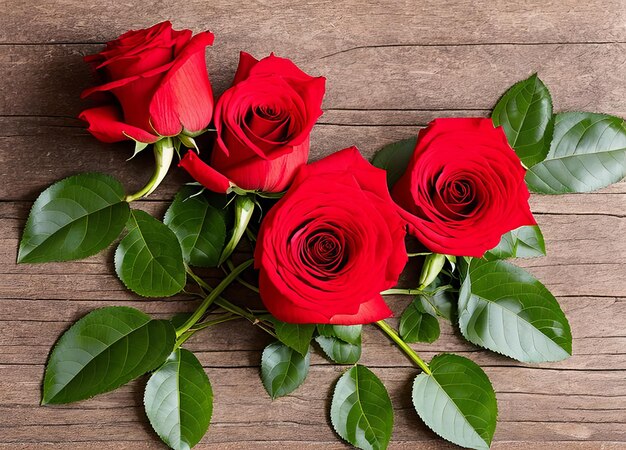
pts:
pixel 20 258
pixel 127 308
pixel 488 444
pixel 468 339
pixel 332 421
pixel 117 260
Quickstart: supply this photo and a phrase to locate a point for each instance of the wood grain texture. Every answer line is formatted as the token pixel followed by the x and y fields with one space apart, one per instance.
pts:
pixel 392 66
pixel 438 77
pixel 317 24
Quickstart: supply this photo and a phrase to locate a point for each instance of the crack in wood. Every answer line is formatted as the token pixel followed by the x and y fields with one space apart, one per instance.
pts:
pixel 467 44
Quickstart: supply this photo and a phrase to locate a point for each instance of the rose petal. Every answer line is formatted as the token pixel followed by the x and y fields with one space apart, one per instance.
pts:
pixel 246 63
pixel 275 65
pixel 105 123
pixel 273 175
pixel 331 244
pixel 370 311
pixel 122 82
pixel 204 174
pixel 184 97
pixel 473 156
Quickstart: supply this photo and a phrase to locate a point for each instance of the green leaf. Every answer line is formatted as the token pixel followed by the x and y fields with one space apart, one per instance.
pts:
pixel 340 343
pixel 394 158
pixel 339 351
pixel 523 242
pixel 199 227
pixel 361 410
pixel 441 303
pixel 588 152
pixel 296 336
pixel 179 319
pixel 149 260
pixel 525 114
pixel 104 350
pixel 74 218
pixel 179 400
pixel 283 369
pixel 505 309
pixel 416 325
pixel 457 401
pixel 347 333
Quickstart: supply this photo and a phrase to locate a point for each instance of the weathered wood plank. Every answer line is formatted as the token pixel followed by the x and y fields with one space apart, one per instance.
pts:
pixel 33 158
pixel 599 346
pixel 241 407
pixel 588 388
pixel 567 278
pixel 47 79
pixel 330 445
pixel 290 444
pixel 323 24
pixel 421 60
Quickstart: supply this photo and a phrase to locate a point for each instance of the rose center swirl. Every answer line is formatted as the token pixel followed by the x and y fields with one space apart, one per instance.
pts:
pixel 269 112
pixel 455 197
pixel 322 252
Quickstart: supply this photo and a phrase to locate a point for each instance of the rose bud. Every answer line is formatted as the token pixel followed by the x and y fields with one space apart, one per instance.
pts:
pixel 159 78
pixel 463 188
pixel 331 245
pixel 159 89
pixel 263 123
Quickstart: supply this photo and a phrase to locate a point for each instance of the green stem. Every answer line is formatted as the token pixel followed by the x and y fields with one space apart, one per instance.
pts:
pixel 209 323
pixel 163 155
pixel 214 294
pixel 419 254
pixel 203 284
pixel 446 287
pixel 250 235
pixel 240 280
pixel 402 292
pixel 408 351
pixel 183 338
pixel 248 285
pixel 230 307
pixel 201 326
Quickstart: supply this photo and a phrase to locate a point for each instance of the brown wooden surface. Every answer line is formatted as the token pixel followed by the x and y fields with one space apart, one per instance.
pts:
pixel 391 66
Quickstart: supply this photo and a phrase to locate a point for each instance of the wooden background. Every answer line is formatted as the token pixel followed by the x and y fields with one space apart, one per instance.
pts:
pixel 392 66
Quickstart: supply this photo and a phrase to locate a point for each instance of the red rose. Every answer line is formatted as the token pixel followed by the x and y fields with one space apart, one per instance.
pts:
pixel 328 248
pixel 263 124
pixel 160 81
pixel 464 187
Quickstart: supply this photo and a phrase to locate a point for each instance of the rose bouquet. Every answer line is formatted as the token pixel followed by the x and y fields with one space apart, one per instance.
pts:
pixel 327 250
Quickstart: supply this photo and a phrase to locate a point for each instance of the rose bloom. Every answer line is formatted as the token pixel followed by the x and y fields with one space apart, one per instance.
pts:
pixel 328 248
pixel 463 188
pixel 263 124
pixel 159 85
